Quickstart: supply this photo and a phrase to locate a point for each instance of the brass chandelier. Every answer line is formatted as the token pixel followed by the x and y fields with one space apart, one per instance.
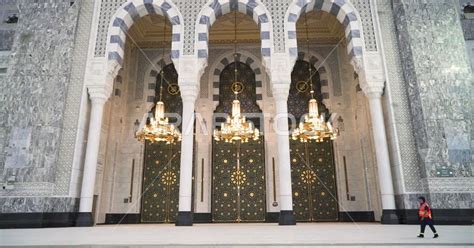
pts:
pixel 236 127
pixel 157 128
pixel 313 126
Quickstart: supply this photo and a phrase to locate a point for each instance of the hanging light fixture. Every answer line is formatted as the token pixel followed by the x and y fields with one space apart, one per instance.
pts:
pixel 157 127
pixel 314 126
pixel 236 127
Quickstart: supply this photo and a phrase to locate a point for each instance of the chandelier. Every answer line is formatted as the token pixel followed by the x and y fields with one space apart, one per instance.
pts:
pixel 157 127
pixel 236 127
pixel 313 126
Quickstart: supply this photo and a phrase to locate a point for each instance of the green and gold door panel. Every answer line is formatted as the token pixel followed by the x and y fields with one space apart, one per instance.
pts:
pixel 313 181
pixel 161 183
pixel 238 182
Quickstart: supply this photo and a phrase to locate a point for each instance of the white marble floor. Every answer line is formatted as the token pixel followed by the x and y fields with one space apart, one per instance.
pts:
pixel 238 235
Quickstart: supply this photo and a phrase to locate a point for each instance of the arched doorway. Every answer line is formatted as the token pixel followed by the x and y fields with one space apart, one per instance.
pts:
pixel 141 179
pixel 161 164
pixel 238 169
pixel 313 173
pixel 334 34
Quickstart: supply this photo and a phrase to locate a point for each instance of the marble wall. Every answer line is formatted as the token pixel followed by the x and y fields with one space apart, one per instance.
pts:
pixel 32 98
pixel 439 79
pixel 38 204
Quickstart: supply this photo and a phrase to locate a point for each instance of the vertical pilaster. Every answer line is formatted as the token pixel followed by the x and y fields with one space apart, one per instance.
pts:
pixel 186 169
pixel 281 79
pixel 374 95
pixel 286 202
pixel 188 84
pixel 98 96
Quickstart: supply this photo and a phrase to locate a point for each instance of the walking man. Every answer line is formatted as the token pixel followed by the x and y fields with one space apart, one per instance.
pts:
pixel 425 218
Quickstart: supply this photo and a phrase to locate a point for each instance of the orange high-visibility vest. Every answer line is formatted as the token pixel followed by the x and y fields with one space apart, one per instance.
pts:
pixel 425 211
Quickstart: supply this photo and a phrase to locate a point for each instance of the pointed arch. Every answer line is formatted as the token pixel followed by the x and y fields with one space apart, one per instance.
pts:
pixel 129 13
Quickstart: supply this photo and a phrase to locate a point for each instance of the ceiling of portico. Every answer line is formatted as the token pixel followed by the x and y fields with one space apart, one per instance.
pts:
pixel 323 29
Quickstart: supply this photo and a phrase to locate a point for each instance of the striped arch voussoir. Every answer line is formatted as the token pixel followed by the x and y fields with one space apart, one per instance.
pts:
pixel 129 13
pixel 324 74
pixel 216 8
pixel 150 77
pixel 341 9
pixel 228 59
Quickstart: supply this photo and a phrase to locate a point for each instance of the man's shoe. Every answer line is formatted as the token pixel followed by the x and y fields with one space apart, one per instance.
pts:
pixel 421 236
pixel 435 236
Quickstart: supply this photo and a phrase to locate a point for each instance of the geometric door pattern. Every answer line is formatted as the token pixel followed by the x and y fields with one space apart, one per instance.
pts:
pixel 313 181
pixel 238 181
pixel 238 169
pixel 312 164
pixel 161 183
pixel 160 189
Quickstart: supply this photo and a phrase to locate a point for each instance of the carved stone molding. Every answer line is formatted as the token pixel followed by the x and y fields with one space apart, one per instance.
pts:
pixel 449 185
pixel 29 189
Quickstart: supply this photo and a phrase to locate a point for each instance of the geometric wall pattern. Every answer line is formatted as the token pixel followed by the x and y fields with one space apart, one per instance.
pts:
pixel 107 10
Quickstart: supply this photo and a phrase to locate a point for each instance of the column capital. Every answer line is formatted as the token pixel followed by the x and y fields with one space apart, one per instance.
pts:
pixel 189 92
pixel 281 92
pixel 373 90
pixel 190 69
pixel 99 93
pixel 280 75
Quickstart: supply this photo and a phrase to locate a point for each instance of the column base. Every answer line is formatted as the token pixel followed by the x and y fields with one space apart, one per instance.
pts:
pixel 389 217
pixel 184 219
pixel 287 218
pixel 84 219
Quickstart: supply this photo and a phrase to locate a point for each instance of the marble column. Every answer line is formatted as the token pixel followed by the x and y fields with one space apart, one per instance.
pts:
pixel 185 215
pixel 98 96
pixel 381 151
pixel 280 94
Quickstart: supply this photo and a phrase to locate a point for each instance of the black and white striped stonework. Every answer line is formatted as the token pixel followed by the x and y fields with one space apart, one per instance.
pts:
pixel 324 76
pixel 132 11
pixel 253 8
pixel 227 59
pixel 150 90
pixel 341 9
